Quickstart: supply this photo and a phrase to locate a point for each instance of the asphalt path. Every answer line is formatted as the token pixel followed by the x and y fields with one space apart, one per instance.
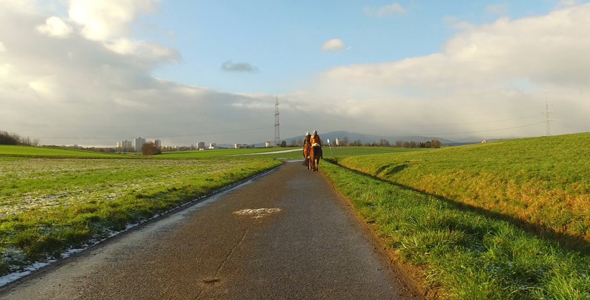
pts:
pixel 285 235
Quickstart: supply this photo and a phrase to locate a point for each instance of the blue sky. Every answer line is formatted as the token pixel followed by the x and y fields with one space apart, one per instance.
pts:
pixel 98 72
pixel 283 40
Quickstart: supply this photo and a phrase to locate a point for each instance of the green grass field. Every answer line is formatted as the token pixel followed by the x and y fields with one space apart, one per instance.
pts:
pixel 26 151
pixel 462 253
pixel 504 220
pixel 543 183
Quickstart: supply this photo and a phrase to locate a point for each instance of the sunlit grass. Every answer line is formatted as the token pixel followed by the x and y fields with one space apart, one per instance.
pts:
pixel 464 254
pixel 543 183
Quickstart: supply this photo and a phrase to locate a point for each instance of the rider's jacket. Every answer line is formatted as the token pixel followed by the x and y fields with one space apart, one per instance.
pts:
pixel 316 140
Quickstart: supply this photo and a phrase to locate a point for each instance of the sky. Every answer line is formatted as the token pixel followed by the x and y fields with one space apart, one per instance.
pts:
pixel 93 73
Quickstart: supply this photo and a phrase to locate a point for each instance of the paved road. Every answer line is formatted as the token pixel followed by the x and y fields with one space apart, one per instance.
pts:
pixel 313 248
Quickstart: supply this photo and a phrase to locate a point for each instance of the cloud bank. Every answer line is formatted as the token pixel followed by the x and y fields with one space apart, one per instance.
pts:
pixel 490 77
pixel 85 78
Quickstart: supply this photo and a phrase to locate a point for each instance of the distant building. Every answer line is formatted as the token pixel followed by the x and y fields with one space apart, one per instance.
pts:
pixel 212 146
pixel 138 143
pixel 337 142
pixel 125 146
pixel 267 145
pixel 201 145
pixel 158 144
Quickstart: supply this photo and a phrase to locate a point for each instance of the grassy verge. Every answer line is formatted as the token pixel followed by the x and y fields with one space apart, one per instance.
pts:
pixel 465 255
pixel 50 205
pixel 542 183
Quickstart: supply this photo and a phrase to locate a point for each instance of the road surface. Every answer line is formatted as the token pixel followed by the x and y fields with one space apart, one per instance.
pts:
pixel 302 242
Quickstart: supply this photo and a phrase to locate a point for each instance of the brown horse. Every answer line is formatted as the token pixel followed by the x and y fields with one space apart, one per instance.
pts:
pixel 315 155
pixel 306 154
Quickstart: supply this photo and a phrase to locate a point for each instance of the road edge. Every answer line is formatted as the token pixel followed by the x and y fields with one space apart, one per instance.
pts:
pixel 411 276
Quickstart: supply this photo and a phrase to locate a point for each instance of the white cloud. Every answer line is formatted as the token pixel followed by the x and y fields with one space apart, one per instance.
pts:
pixel 387 10
pixel 110 23
pixel 333 45
pixel 55 27
pixel 21 6
pixel 107 19
pixel 568 3
pixel 76 91
pixel 497 66
pixel 497 9
pixel 140 48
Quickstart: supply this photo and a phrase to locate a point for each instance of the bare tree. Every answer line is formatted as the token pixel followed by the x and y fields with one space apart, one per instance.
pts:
pixel 150 149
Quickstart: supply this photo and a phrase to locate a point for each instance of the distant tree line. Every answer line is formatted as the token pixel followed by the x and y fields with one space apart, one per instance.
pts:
pixel 385 143
pixel 429 144
pixel 345 142
pixel 15 139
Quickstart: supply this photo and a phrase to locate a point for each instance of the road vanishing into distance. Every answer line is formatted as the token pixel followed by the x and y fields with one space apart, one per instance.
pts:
pixel 284 235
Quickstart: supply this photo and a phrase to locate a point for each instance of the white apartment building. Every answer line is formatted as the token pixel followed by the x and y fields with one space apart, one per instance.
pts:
pixel 125 145
pixel 138 143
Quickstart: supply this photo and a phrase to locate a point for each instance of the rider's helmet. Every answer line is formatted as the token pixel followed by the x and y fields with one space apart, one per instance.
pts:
pixel 307 133
pixel 315 132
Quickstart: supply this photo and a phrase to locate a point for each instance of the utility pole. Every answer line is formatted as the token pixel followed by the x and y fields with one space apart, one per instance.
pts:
pixel 277 124
pixel 547 120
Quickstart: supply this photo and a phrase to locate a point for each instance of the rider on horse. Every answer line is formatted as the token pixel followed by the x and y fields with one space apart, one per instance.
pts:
pixel 306 145
pixel 316 144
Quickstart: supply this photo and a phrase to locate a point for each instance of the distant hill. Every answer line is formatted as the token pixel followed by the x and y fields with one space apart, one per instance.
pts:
pixel 367 138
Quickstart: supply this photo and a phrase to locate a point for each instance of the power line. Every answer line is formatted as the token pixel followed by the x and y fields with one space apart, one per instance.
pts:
pixel 485 122
pixel 478 131
pixel 160 136
pixel 547 121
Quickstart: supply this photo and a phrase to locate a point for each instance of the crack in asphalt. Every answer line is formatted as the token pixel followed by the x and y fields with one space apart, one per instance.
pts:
pixel 212 280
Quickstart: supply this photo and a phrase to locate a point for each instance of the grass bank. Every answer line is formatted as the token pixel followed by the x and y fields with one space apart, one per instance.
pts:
pixel 463 254
pixel 50 205
pixel 541 184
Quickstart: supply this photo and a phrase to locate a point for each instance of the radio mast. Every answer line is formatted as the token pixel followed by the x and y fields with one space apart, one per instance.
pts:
pixel 277 124
pixel 547 120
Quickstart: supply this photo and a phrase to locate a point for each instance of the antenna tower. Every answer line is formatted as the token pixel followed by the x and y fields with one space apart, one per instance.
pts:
pixel 547 121
pixel 277 124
